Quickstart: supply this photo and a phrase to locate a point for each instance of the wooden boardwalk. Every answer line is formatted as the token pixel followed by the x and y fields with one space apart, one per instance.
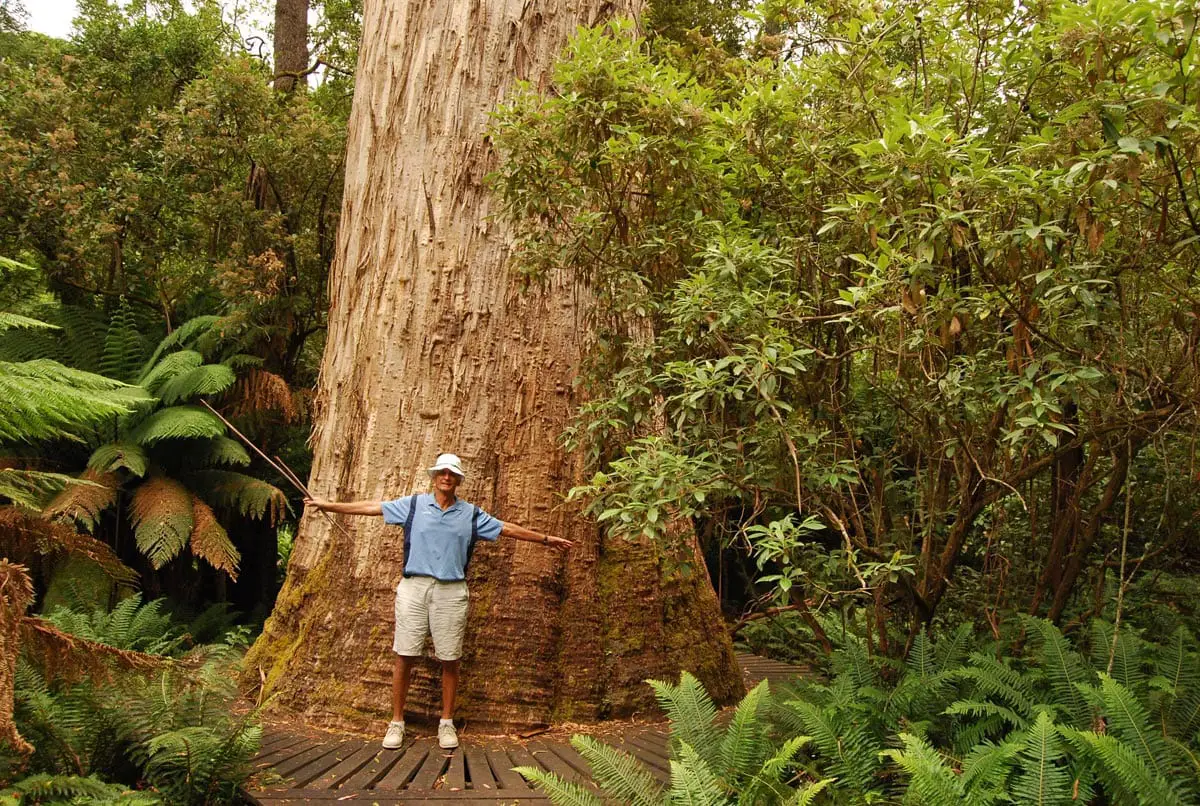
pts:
pixel 317 767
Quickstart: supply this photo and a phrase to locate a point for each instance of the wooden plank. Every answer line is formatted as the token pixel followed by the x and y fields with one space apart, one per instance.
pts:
pixel 456 774
pixel 397 777
pixel 506 779
pixel 273 738
pixel 479 773
pixel 305 776
pixel 549 760
pixel 332 797
pixel 570 755
pixel 350 764
pixel 647 747
pixel 429 773
pixel 372 771
pixel 283 754
pixel 523 758
pixel 297 763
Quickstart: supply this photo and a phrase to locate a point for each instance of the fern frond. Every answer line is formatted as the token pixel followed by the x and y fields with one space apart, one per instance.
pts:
pixel 744 746
pixel 951 651
pixel 1042 781
pixel 930 779
pixel 1127 665
pixel 808 794
pixel 178 422
pixel 1123 770
pixel 32 489
pixel 24 535
pixel 560 791
pixel 124 347
pixel 693 781
pixel 44 400
pixel 14 321
pixel 183 335
pixel 115 455
pixel 692 713
pixel 921 661
pixel 1130 723
pixel 619 774
pixel 258 391
pixel 987 766
pixel 208 379
pixel 85 502
pixel 222 451
pixel 161 512
pixel 1064 669
pixel 997 680
pixel 239 493
pixel 171 366
pixel 980 709
pixel 210 542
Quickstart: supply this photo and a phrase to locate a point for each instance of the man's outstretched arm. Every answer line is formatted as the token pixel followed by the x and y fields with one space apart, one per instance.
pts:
pixel 346 508
pixel 521 533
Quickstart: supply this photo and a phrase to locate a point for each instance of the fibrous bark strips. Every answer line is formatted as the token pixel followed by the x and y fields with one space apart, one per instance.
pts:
pixel 431 348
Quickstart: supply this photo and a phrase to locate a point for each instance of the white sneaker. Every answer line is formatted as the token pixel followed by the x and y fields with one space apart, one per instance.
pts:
pixel 394 736
pixel 447 736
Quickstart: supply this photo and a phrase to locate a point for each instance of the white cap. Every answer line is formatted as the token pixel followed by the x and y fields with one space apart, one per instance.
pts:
pixel 448 461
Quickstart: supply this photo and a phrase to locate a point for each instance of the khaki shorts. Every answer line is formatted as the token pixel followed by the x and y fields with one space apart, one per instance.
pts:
pixel 425 606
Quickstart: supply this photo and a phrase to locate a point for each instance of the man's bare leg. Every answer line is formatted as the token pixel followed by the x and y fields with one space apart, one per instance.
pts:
pixel 401 677
pixel 449 687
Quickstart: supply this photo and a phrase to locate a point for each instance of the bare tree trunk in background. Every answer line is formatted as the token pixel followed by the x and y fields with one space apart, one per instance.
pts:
pixel 432 347
pixel 291 44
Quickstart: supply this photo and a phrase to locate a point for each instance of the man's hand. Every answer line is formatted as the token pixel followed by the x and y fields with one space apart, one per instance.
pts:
pixel 316 503
pixel 559 542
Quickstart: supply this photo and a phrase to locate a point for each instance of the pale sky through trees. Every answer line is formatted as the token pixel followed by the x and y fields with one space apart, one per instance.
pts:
pixel 51 17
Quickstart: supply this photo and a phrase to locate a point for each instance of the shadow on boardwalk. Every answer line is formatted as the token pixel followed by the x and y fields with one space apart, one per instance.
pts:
pixel 317 767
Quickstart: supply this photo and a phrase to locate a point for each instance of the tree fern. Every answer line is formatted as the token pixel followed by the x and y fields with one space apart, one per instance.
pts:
pixel 12 321
pixel 161 511
pixel 619 774
pixel 221 451
pixel 182 336
pixel 237 492
pixel 120 455
pixel 85 502
pixel 42 400
pixel 24 535
pixel 208 379
pixel 171 366
pixel 210 542
pixel 178 422
pixel 32 489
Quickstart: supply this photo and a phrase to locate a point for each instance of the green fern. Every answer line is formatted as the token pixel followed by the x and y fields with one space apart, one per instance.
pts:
pixel 1043 781
pixel 130 625
pixel 12 321
pixel 178 422
pixel 183 336
pixel 560 791
pixel 171 366
pixel 43 788
pixel 744 747
pixel 619 774
pixel 1125 773
pixel 931 781
pixel 693 781
pixel 222 451
pixel 124 346
pixel 42 400
pixel 120 455
pixel 208 379
pixel 239 493
pixel 1064 669
pixel 33 489
pixel 692 713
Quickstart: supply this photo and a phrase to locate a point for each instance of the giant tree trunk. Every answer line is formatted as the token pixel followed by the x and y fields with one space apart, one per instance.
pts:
pixel 291 44
pixel 432 348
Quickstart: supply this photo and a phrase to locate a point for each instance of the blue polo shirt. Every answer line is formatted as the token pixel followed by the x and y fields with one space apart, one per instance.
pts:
pixel 440 543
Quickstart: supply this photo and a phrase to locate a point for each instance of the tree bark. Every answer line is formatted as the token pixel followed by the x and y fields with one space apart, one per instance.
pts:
pixel 432 347
pixel 291 44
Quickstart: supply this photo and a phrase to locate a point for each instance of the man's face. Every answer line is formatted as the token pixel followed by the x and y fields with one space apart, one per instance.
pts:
pixel 445 481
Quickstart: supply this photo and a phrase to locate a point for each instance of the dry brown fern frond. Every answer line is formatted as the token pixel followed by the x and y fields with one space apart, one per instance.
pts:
pixel 84 503
pixel 259 391
pixel 68 657
pixel 16 592
pixel 24 536
pixel 161 511
pixel 211 542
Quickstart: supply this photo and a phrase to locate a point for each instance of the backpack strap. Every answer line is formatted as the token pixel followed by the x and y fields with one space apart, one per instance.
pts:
pixel 408 524
pixel 474 534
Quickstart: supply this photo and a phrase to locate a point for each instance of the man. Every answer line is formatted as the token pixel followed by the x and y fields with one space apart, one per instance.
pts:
pixel 431 599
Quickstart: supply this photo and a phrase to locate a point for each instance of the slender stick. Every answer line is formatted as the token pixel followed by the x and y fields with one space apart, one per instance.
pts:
pixel 287 474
